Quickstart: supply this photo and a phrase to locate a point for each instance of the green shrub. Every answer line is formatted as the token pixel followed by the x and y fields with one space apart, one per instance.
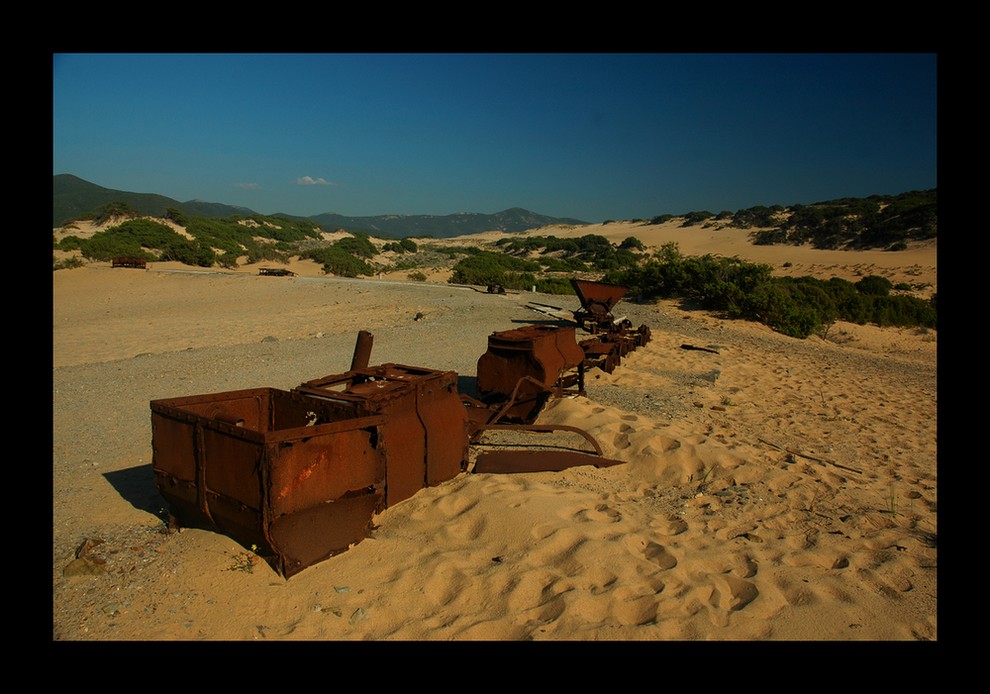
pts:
pixel 359 245
pixel 337 261
pixel 661 219
pixel 486 267
pixel 798 307
pixel 692 218
pixel 554 285
pixel 874 285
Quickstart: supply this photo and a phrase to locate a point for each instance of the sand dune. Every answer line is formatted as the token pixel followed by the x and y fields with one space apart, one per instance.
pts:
pixel 771 488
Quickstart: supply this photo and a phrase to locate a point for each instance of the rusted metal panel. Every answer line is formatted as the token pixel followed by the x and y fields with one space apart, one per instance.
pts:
pixel 424 436
pixel 296 478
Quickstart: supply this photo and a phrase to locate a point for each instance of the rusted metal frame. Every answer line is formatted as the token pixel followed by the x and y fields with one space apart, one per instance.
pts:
pixel 565 384
pixel 273 435
pixel 545 428
pixel 515 394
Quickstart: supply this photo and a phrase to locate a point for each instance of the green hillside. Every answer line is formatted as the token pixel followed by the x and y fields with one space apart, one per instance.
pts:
pixel 73 199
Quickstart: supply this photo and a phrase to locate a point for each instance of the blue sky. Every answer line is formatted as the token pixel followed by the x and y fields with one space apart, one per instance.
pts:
pixel 591 136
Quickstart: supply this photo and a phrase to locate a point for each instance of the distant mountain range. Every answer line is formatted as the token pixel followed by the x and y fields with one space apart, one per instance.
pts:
pixel 73 198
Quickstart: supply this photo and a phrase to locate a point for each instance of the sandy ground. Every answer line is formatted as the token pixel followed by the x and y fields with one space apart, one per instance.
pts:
pixel 771 489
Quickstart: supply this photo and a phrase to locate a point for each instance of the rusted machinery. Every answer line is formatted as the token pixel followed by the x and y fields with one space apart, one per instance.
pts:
pixel 597 301
pixel 296 478
pixel 298 475
pixel 613 337
pixel 527 365
pixel 424 437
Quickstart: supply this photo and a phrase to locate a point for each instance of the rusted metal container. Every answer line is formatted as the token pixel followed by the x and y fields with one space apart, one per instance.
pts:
pixel 597 301
pixel 529 364
pixel 296 478
pixel 140 263
pixel 424 435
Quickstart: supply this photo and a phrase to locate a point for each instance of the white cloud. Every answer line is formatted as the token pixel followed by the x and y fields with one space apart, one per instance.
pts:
pixel 310 181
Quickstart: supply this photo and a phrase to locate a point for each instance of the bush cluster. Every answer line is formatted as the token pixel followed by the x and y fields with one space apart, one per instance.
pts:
pixel 879 221
pixel 214 241
pixel 798 307
pixel 406 245
pixel 591 251
pixel 489 268
pixel 138 238
pixel 336 260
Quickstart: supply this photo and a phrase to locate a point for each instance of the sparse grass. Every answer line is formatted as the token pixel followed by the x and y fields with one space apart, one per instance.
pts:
pixel 67 263
pixel 245 561
pixel 704 480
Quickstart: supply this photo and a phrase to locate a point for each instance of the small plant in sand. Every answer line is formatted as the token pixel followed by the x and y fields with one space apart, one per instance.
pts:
pixel 245 561
pixel 704 482
pixel 891 501
pixel 68 263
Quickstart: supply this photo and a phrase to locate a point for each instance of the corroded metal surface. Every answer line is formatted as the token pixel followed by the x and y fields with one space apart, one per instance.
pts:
pixel 296 478
pixel 614 338
pixel 425 433
pixel 527 365
pixel 362 350
pixel 298 475
pixel 597 298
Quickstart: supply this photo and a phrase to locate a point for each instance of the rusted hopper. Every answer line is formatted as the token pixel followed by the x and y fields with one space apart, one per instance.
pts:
pixel 424 435
pixel 526 365
pixel 613 338
pixel 597 301
pixel 298 479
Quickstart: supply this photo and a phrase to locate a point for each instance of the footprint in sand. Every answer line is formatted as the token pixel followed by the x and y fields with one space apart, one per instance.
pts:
pixel 731 593
pixel 466 528
pixel 632 609
pixel 535 591
pixel 669 525
pixel 601 513
pixel 444 584
pixel 651 551
pixel 454 505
